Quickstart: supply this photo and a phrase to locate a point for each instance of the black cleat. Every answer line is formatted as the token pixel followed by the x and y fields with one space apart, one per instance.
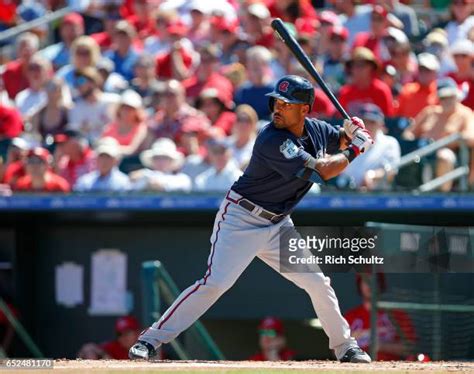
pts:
pixel 141 351
pixel 356 355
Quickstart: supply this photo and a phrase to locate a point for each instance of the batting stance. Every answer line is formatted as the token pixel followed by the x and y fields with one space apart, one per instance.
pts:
pixel 290 154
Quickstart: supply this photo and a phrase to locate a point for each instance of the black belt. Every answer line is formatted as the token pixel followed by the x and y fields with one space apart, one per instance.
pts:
pixel 274 218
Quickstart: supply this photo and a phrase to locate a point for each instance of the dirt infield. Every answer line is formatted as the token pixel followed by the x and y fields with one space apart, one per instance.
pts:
pixel 320 367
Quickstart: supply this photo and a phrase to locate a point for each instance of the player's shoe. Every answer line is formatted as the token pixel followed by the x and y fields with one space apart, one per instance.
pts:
pixel 142 351
pixel 356 355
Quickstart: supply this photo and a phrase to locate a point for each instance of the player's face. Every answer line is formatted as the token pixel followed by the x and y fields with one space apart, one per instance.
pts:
pixel 288 115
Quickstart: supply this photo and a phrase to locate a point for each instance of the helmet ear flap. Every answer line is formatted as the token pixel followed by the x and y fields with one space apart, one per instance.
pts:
pixel 271 103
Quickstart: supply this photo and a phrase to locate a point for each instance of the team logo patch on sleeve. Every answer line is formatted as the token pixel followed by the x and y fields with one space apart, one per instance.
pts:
pixel 289 149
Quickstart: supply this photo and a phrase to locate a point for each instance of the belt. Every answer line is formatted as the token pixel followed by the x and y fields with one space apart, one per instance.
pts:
pixel 253 208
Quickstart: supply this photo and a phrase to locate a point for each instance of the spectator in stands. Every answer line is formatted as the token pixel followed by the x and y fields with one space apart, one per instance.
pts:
pixel 144 72
pixel 53 118
pixel 256 24
pixel 272 342
pixel 229 38
pixel 356 18
pixel 195 132
pixel 129 127
pixel 199 28
pixel 161 42
pixel 111 81
pixel 39 177
pixel 292 11
pixel 333 62
pixel 72 27
pixel 174 110
pixel 405 14
pixel 106 176
pixel 415 96
pixel 463 54
pixel 365 86
pixel 142 18
pixel 217 105
pixel 163 162
pixel 401 56
pixel 207 75
pixel 93 109
pixel 328 21
pixel 123 53
pixel 244 134
pixel 15 73
pixel 396 334
pixel 373 39
pixel 32 99
pixel 127 330
pixel 375 168
pixel 223 171
pixel 260 81
pixel 15 161
pixel 85 53
pixel 436 43
pixel 462 20
pixel 178 60
pixel 438 121
pixel 73 156
pixel 110 18
pixel 11 123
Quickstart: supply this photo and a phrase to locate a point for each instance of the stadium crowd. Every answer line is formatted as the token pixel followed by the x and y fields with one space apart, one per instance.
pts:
pixel 169 95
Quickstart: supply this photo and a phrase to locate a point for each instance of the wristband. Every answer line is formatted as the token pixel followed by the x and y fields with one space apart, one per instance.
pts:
pixel 350 153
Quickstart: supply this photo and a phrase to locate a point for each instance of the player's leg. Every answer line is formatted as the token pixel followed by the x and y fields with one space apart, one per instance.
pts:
pixel 322 295
pixel 233 247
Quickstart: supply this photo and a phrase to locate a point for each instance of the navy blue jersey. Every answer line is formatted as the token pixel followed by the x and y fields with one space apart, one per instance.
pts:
pixel 278 155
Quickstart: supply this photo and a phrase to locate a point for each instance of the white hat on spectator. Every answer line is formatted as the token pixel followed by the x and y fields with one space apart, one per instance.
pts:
pixel 428 61
pixel 437 36
pixel 199 5
pixel 259 10
pixel 20 143
pixel 462 47
pixel 108 146
pixel 132 99
pixel 162 147
pixel 398 35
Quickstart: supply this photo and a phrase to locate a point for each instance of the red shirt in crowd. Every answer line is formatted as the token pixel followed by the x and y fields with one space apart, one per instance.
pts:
pixel 285 354
pixel 72 170
pixel 322 106
pixel 53 183
pixel 367 40
pixel 216 80
pixel 359 321
pixel 7 11
pixel 11 124
pixel 14 78
pixel 226 122
pixel 164 66
pixel 14 171
pixel 377 92
pixel 462 83
pixel 115 350
pixel 306 10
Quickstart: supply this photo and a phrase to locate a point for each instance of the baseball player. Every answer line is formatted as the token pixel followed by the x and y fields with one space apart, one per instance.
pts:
pixel 290 153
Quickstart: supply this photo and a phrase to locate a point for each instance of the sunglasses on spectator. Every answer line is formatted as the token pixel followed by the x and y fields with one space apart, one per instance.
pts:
pixel 34 67
pixel 461 55
pixel 83 52
pixel 34 161
pixel 218 150
pixel 460 2
pixel 243 119
pixel 360 64
pixel 80 81
pixel 377 19
pixel 170 93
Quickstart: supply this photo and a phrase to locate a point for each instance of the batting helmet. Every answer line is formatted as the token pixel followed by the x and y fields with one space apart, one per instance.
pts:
pixel 292 89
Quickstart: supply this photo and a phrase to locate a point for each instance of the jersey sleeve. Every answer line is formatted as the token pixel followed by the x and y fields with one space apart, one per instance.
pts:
pixel 332 136
pixel 282 154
